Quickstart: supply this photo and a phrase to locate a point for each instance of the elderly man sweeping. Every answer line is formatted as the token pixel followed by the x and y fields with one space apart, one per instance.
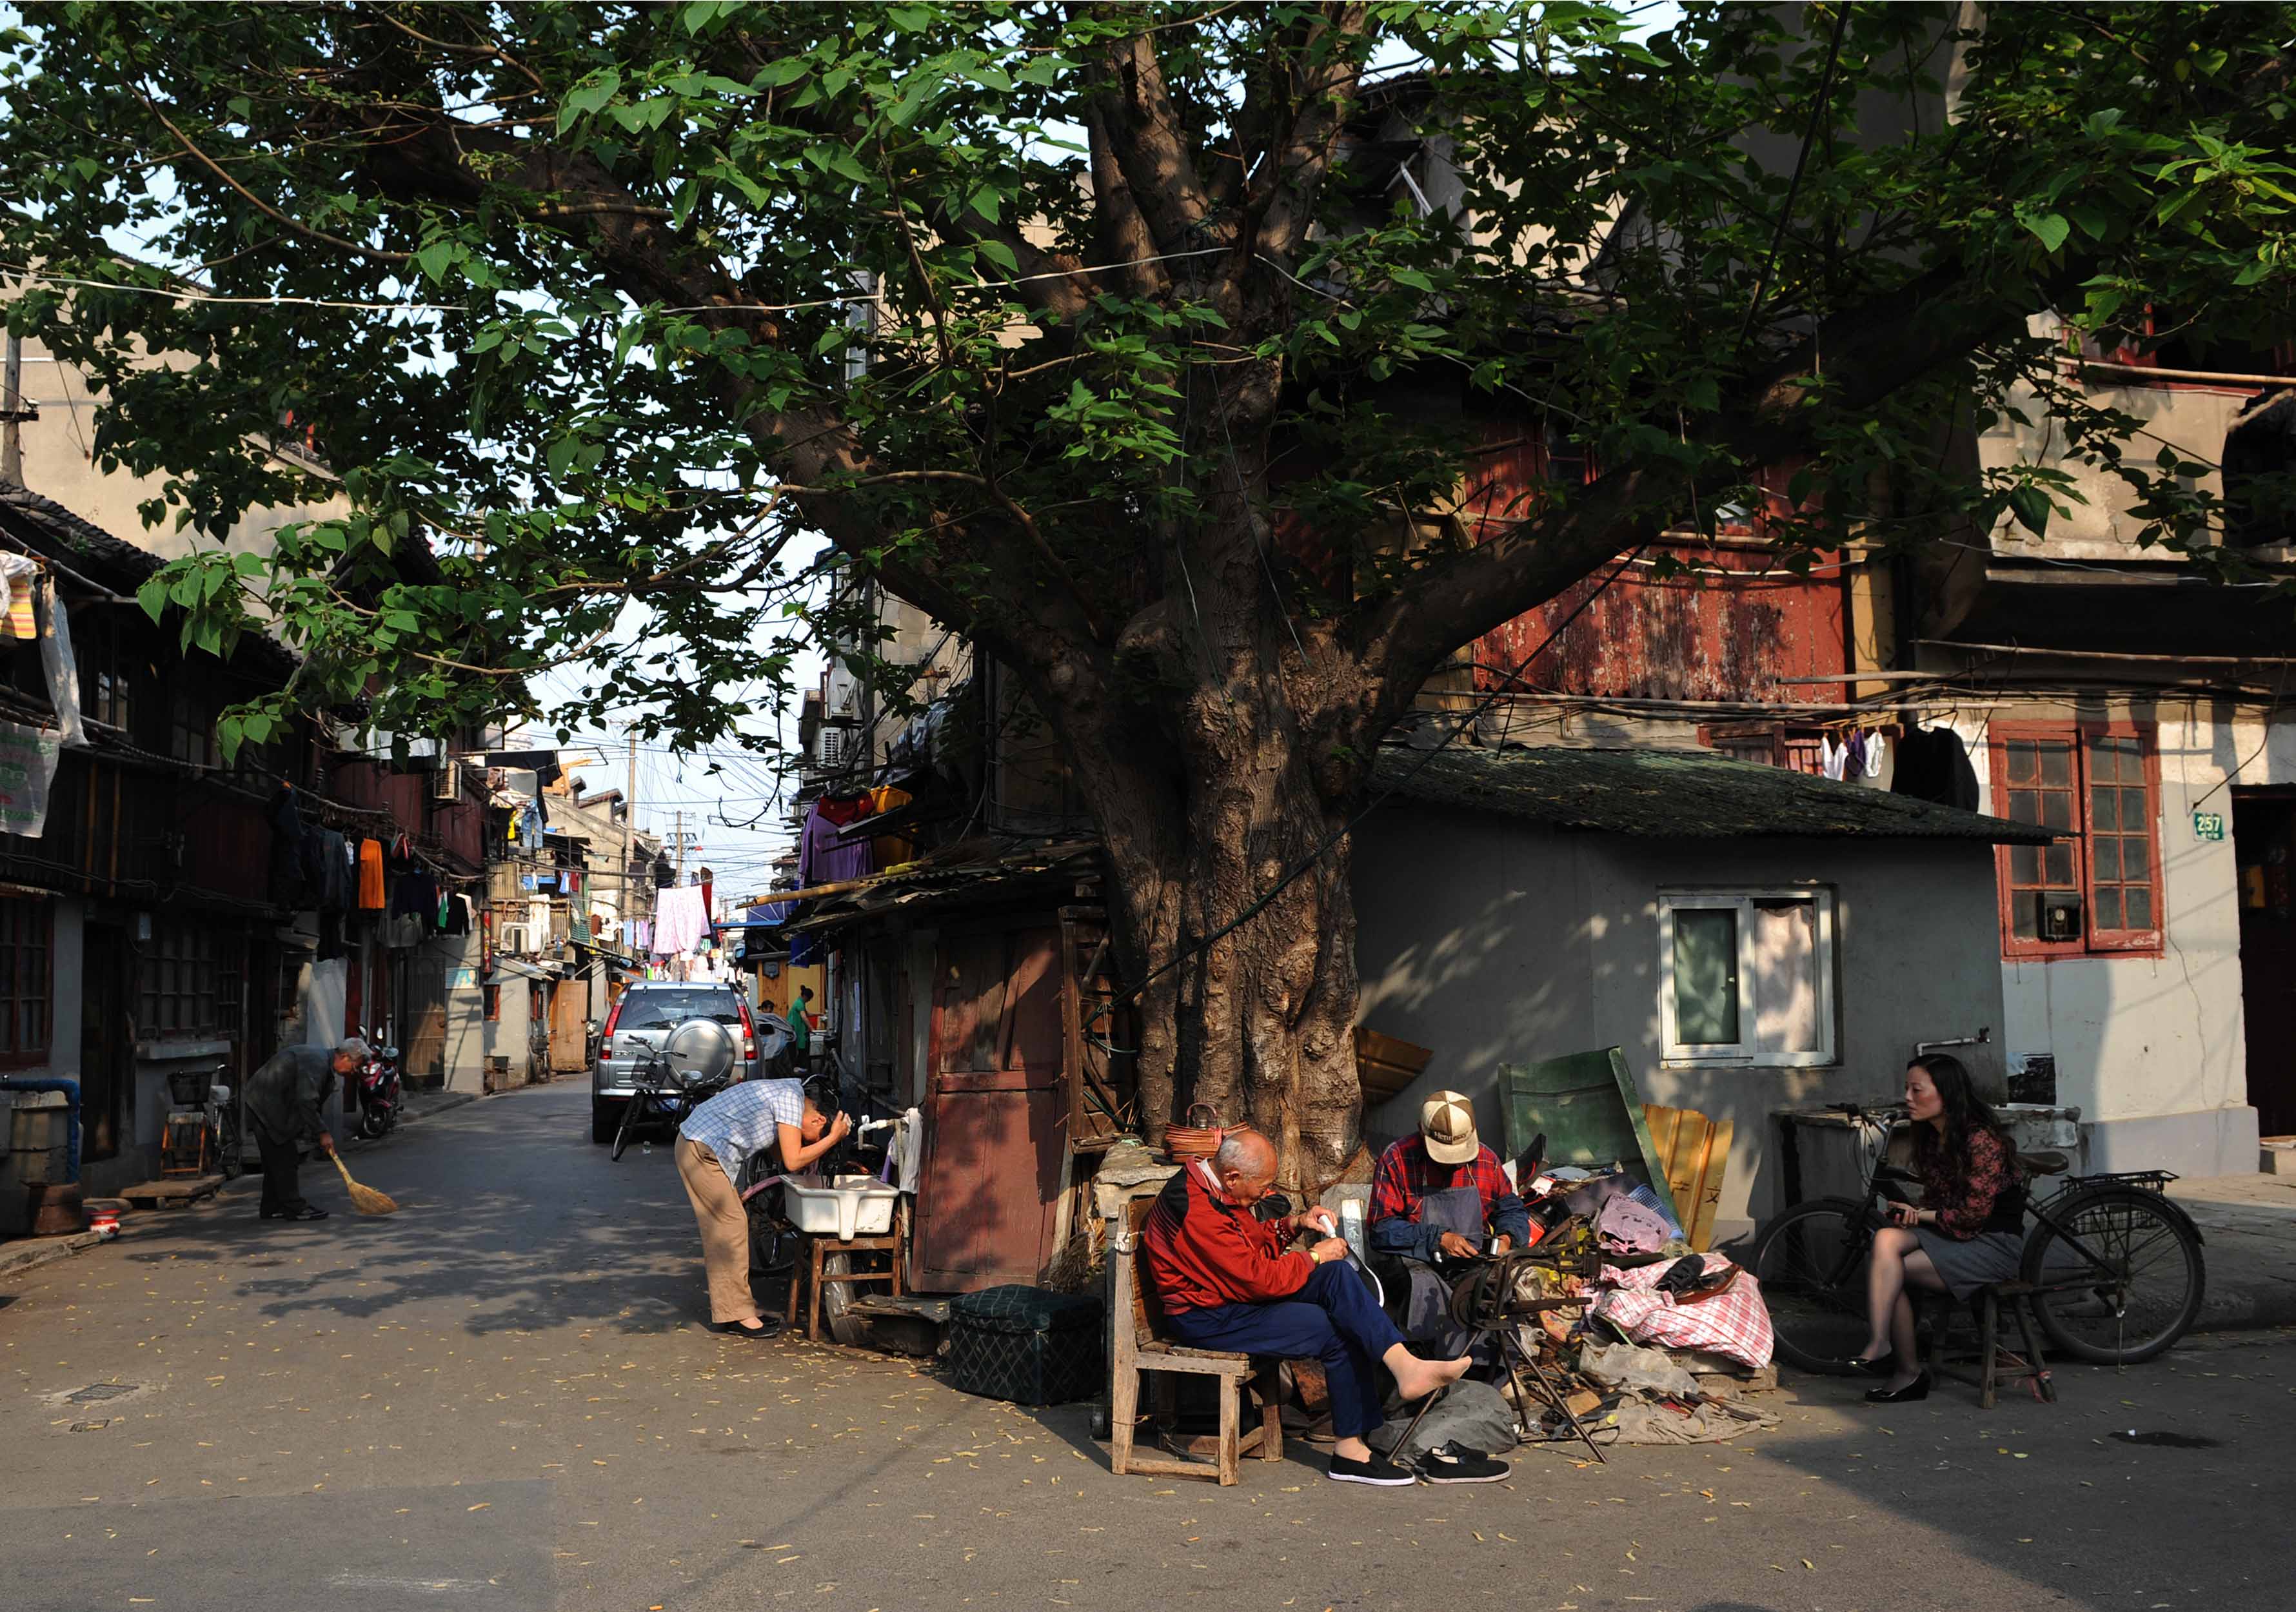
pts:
pixel 1226 1281
pixel 286 1109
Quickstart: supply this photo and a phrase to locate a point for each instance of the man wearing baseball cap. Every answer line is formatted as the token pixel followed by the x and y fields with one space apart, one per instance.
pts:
pixel 1442 1192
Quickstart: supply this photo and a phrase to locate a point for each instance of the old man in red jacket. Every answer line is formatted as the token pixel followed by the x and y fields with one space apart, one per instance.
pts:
pixel 1227 1280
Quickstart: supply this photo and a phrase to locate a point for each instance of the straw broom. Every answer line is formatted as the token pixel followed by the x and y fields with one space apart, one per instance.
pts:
pixel 366 1200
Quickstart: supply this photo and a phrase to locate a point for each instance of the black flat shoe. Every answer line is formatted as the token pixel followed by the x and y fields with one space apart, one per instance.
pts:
pixel 1919 1388
pixel 1876 1365
pixel 307 1212
pixel 763 1329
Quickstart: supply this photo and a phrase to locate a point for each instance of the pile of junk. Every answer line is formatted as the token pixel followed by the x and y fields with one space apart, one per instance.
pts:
pixel 1607 1329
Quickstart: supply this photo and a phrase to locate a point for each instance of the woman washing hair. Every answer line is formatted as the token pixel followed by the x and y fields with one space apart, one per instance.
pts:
pixel 1969 1231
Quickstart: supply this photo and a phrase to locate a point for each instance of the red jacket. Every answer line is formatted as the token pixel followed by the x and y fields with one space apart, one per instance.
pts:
pixel 1201 1251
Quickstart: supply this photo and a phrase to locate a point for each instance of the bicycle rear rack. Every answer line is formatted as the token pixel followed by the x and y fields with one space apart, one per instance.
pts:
pixel 2151 1180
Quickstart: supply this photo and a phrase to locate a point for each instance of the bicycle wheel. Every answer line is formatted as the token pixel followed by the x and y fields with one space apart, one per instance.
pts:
pixel 1811 1264
pixel 629 1120
pixel 2149 1290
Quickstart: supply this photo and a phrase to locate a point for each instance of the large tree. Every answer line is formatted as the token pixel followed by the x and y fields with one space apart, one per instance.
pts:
pixel 1156 347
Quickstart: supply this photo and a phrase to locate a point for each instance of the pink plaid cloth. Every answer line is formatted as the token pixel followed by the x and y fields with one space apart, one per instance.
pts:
pixel 1736 1323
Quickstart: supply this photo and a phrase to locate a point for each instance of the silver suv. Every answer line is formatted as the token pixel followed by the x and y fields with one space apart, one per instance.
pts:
pixel 640 1024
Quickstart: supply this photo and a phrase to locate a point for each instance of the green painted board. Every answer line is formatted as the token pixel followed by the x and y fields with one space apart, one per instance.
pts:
pixel 1593 1117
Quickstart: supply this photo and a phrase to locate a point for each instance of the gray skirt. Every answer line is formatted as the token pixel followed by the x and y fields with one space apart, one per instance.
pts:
pixel 1989 1257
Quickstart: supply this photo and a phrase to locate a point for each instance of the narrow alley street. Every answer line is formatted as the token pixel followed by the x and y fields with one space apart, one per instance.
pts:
pixel 503 1398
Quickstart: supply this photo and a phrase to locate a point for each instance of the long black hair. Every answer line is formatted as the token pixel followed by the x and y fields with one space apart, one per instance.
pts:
pixel 1965 1113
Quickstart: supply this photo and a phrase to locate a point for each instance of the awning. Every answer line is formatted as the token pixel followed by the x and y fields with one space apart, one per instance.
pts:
pixel 929 885
pixel 518 968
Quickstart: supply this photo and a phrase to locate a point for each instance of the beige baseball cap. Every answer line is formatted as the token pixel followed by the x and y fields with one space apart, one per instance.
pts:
pixel 1446 1120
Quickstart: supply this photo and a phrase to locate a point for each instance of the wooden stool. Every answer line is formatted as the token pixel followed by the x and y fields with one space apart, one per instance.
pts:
pixel 1985 1306
pixel 809 1280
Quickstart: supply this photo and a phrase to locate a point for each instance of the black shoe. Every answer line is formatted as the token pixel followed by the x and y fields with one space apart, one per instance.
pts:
pixel 1452 1464
pixel 1378 1471
pixel 1876 1365
pixel 765 1329
pixel 1919 1388
pixel 307 1212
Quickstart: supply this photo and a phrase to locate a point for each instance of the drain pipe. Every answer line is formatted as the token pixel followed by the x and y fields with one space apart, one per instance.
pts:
pixel 71 1089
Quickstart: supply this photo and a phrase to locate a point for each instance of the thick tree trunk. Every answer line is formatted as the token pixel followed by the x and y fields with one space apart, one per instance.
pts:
pixel 1255 1021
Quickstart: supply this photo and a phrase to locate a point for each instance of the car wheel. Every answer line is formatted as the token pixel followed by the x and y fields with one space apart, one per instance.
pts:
pixel 605 1117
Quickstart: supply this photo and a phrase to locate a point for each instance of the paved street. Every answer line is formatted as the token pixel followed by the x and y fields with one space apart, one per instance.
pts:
pixel 502 1398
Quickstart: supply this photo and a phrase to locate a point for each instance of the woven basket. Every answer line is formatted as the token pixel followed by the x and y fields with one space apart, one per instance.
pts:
pixel 1192 1140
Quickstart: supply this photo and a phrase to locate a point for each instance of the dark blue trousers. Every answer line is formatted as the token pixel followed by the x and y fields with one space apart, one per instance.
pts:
pixel 1333 1319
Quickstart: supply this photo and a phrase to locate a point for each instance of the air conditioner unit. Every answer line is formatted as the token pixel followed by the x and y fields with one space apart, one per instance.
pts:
pixel 447 782
pixel 514 938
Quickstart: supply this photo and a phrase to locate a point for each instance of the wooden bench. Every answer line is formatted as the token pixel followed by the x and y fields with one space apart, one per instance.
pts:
pixel 1134 1321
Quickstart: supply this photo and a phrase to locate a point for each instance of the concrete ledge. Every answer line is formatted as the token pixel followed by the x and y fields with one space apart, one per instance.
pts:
pixel 2204 1143
pixel 29 1253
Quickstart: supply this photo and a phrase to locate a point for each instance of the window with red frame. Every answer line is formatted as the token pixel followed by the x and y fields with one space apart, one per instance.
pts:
pixel 26 929
pixel 2095 890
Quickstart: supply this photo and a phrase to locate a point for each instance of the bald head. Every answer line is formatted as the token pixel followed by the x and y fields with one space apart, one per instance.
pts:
pixel 1245 1164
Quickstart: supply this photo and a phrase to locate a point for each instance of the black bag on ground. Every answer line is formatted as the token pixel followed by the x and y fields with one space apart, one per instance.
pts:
pixel 1028 1344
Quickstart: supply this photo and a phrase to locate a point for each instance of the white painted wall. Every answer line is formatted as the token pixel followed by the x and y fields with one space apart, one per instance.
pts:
pixel 1495 941
pixel 2151 1048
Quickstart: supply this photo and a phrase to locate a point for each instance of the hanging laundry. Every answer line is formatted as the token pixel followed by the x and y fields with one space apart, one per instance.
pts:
pixel 1833 759
pixel 825 856
pixel 1853 749
pixel 1874 747
pixel 371 898
pixel 56 659
pixel 287 884
pixel 19 573
pixel 680 920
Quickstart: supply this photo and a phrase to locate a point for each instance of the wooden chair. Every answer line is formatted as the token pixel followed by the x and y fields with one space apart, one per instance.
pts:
pixel 1135 1348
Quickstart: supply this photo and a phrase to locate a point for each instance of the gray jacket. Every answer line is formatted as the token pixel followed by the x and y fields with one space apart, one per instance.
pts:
pixel 286 1097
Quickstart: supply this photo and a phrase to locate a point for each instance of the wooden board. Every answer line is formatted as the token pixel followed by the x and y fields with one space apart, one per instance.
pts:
pixel 173 1192
pixel 1694 1152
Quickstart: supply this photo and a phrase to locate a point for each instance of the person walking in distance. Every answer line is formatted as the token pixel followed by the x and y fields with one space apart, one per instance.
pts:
pixel 286 1104
pixel 801 1026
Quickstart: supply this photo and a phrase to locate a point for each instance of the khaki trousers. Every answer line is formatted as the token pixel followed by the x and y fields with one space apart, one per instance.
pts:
pixel 725 1231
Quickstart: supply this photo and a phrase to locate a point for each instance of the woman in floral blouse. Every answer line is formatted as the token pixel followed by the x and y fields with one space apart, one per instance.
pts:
pixel 1968 1232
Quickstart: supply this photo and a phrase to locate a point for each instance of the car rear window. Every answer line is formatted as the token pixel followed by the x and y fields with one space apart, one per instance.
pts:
pixel 667 1009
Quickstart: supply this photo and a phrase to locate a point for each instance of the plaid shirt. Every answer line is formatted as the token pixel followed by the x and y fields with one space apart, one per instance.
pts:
pixel 1405 1175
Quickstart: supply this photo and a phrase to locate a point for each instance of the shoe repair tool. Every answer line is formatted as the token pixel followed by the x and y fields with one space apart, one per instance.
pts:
pixel 1486 1302
pixel 366 1200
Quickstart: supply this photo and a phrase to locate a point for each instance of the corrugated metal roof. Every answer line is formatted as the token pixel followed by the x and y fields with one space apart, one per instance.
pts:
pixel 1677 794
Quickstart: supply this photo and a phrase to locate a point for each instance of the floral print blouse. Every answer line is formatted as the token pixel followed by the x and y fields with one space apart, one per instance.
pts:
pixel 1965 1204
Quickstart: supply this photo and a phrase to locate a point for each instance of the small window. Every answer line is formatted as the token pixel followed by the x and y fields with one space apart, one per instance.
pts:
pixel 2096 889
pixel 26 928
pixel 1747 977
pixel 493 998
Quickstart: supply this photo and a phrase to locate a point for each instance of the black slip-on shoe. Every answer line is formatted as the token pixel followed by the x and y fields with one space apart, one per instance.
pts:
pixel 310 1211
pixel 1919 1388
pixel 764 1330
pixel 1378 1471
pixel 1452 1465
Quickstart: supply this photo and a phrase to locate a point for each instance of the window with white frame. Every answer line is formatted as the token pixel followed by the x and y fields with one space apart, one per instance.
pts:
pixel 1746 977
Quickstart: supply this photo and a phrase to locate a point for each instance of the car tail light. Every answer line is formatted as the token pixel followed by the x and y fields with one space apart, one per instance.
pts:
pixel 606 1035
pixel 749 1034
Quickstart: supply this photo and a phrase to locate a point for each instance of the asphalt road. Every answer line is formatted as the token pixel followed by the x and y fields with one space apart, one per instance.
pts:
pixel 504 1399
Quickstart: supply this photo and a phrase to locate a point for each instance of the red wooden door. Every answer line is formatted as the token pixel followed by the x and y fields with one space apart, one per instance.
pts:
pixel 996 1107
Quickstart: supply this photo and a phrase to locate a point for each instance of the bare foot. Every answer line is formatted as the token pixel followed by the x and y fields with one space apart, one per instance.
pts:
pixel 1415 1377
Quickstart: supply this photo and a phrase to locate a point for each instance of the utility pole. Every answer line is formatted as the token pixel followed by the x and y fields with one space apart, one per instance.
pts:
pixel 13 412
pixel 630 801
pixel 678 835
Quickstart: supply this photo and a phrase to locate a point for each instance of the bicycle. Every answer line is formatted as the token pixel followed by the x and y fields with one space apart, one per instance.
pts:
pixel 694 1064
pixel 2115 1265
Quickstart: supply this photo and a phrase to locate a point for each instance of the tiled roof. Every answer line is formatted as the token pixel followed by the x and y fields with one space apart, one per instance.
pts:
pixel 1681 794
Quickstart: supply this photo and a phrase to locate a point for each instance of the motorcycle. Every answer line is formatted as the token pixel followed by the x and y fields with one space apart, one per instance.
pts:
pixel 380 1099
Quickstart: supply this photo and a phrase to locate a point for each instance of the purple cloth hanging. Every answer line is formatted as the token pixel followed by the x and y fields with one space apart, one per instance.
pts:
pixel 824 855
